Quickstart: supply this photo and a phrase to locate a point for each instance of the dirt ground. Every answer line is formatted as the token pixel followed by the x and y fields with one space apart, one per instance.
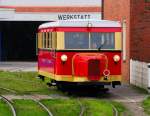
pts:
pixel 130 97
pixel 18 66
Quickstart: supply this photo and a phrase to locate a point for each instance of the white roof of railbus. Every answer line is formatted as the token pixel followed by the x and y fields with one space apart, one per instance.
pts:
pixel 81 23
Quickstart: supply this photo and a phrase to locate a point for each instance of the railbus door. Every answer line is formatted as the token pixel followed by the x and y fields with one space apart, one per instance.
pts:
pixel 47 52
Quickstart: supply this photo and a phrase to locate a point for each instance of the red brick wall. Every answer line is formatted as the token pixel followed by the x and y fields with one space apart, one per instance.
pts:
pixel 54 8
pixel 140 30
pixel 119 10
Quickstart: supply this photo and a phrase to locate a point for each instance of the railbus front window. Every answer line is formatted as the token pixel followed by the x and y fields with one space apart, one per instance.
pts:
pixel 76 40
pixel 103 40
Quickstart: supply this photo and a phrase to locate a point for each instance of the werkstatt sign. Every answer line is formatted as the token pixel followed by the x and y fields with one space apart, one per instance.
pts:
pixel 79 16
pixel 73 16
pixel 15 16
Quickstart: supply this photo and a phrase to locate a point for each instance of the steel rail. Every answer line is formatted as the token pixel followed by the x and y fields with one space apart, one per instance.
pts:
pixel 115 111
pixel 81 107
pixel 125 97
pixel 43 106
pixel 9 90
pixel 9 104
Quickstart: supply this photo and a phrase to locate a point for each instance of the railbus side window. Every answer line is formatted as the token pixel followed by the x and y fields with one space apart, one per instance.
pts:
pixel 43 40
pixel 53 40
pixel 46 39
pixel 40 40
pixel 49 42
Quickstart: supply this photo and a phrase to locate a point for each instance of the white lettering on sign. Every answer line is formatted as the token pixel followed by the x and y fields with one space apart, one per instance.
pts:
pixel 73 16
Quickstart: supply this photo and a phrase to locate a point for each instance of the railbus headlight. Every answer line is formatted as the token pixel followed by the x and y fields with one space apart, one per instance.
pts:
pixel 64 58
pixel 116 58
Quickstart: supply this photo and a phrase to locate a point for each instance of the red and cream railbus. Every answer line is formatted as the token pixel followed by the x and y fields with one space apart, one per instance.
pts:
pixel 84 52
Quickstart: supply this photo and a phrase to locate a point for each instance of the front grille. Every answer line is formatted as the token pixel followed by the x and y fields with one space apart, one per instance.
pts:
pixel 94 70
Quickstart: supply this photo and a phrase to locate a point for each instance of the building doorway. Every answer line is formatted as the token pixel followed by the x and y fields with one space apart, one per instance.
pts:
pixel 18 40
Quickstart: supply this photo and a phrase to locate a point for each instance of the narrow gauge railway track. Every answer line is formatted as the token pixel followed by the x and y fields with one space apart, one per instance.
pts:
pixel 44 107
pixel 82 107
pixel 131 103
pixel 115 111
pixel 9 104
pixel 9 90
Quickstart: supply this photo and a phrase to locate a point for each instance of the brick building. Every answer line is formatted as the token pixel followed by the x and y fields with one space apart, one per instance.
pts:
pixel 136 13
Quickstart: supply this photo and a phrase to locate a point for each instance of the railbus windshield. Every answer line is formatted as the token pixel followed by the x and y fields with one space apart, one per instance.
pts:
pixel 85 40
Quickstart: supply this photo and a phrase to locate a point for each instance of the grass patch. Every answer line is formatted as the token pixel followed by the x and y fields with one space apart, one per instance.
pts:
pixel 4 109
pixel 63 107
pixel 23 83
pixel 146 105
pixel 97 107
pixel 28 108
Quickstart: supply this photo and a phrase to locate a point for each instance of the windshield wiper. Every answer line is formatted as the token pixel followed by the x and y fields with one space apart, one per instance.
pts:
pixel 100 47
